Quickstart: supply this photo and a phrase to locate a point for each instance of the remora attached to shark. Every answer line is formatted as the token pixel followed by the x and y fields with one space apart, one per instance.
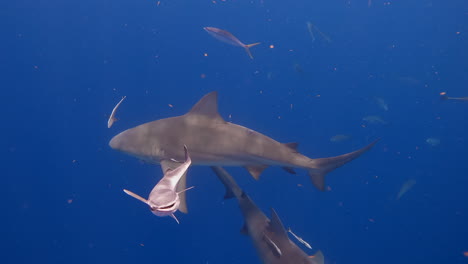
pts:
pixel 215 142
pixel 269 236
pixel 164 200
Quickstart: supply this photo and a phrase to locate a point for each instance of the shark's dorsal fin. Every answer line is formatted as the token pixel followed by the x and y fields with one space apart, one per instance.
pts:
pixel 276 226
pixel 207 106
pixel 255 171
pixel 292 145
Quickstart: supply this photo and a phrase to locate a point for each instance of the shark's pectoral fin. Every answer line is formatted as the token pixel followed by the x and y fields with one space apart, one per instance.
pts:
pixel 181 186
pixel 255 171
pixel 318 258
pixel 274 248
pixel 289 170
pixel 320 167
pixel 168 165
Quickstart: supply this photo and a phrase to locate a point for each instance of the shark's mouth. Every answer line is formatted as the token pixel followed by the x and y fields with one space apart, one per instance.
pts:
pixel 167 207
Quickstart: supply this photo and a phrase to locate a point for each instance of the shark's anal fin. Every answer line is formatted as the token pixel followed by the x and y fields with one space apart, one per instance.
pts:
pixel 255 171
pixel 276 250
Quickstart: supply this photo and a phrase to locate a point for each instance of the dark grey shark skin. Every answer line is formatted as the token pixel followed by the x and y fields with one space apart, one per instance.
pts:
pixel 270 238
pixel 215 142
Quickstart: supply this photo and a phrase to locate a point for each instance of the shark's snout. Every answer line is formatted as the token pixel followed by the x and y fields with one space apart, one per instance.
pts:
pixel 115 142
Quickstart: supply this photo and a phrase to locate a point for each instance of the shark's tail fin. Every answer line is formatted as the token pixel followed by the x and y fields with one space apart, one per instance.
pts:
pixel 317 258
pixel 247 48
pixel 232 189
pixel 320 167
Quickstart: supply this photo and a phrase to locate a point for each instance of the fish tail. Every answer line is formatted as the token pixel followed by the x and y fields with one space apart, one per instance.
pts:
pixel 247 48
pixel 232 189
pixel 320 167
pixel 444 97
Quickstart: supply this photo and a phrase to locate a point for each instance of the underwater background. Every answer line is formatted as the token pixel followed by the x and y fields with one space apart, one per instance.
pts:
pixel 370 69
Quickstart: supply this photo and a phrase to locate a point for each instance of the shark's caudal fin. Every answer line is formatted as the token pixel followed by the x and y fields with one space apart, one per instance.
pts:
pixel 321 167
pixel 247 48
pixel 232 189
pixel 318 258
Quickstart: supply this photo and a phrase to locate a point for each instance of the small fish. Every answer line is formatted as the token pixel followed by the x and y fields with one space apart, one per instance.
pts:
pixel 444 97
pixel 273 245
pixel 311 29
pixel 433 141
pixel 381 103
pixel 339 138
pixel 405 188
pixel 372 119
pixel 299 239
pixel 112 118
pixel 227 37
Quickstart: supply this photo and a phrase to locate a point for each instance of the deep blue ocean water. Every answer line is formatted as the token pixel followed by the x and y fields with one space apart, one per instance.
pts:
pixel 65 64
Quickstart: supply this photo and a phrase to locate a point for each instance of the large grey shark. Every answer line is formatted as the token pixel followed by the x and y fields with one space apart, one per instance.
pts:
pixel 214 142
pixel 270 238
pixel 164 200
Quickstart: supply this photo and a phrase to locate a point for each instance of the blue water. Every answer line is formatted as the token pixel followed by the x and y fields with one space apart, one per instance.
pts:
pixel 65 64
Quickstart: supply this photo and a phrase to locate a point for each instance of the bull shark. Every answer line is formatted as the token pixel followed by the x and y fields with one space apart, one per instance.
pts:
pixel 270 238
pixel 164 199
pixel 215 142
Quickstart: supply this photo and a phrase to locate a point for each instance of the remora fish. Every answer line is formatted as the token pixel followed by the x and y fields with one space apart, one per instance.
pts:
pixel 269 236
pixel 443 96
pixel 112 118
pixel 164 200
pixel 228 38
pixel 215 142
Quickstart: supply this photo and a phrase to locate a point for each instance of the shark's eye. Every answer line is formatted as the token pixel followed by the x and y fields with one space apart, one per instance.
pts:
pixel 167 206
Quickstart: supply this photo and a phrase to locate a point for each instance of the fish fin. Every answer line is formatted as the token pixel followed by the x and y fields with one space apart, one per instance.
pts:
pixel 232 189
pixel 247 48
pixel 323 166
pixel 207 106
pixel 255 171
pixel 318 258
pixel 244 230
pixel 168 166
pixel 181 186
pixel 276 226
pixel 276 250
pixel 136 196
pixel 175 218
pixel 289 170
pixel 292 145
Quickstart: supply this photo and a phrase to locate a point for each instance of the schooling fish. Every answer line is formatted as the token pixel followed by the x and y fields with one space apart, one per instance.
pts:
pixel 228 38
